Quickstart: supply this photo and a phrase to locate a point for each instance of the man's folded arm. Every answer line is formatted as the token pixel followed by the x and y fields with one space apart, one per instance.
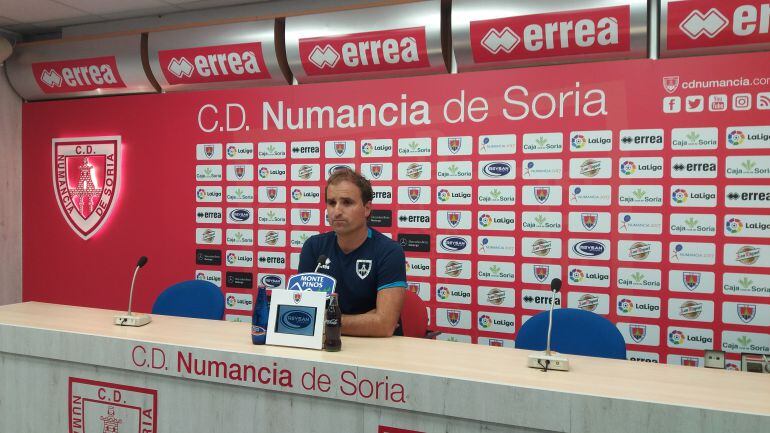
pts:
pixel 380 322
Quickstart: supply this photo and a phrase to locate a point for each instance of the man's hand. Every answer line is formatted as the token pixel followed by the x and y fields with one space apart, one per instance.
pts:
pixel 380 322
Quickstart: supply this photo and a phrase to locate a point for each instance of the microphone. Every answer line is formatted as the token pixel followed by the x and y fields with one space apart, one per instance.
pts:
pixel 555 287
pixel 323 262
pixel 131 319
pixel 546 360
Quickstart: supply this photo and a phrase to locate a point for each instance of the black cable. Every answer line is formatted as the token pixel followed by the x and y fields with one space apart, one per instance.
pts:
pixel 545 367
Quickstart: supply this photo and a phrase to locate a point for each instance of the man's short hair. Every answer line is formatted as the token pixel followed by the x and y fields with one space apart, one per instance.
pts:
pixel 346 174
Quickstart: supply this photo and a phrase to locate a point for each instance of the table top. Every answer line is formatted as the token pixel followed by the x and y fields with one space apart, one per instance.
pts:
pixel 645 382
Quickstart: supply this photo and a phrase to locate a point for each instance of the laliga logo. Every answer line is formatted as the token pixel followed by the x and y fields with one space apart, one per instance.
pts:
pixel 322 57
pixel 734 225
pixel 679 196
pixel 736 138
pixel 697 24
pixel 628 168
pixel 676 337
pixel 495 41
pixel 485 321
pixel 579 141
pixel 51 78
pixel 576 275
pixel 180 67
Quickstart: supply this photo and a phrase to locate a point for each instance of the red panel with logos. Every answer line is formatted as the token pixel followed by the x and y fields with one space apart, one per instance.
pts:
pixel 644 185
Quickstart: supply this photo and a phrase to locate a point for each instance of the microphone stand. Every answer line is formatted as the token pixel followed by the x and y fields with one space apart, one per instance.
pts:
pixel 547 360
pixel 132 319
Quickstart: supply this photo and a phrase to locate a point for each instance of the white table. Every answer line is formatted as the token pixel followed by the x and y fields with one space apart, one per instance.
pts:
pixel 69 367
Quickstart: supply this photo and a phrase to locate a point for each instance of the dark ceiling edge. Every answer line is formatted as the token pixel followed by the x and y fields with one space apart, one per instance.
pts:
pixel 223 21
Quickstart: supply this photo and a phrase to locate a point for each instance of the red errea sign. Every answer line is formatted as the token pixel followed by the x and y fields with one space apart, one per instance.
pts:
pixel 712 23
pixel 378 51
pixel 216 63
pixel 578 32
pixel 77 75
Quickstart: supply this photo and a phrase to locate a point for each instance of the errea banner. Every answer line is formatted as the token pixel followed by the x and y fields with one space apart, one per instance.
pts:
pixel 211 64
pixel 575 32
pixel 365 52
pixel 716 23
pixel 78 75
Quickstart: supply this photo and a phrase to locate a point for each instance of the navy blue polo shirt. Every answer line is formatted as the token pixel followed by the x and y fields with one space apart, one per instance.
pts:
pixel 377 264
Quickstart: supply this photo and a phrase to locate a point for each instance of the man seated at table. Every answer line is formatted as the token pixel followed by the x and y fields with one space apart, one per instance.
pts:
pixel 369 267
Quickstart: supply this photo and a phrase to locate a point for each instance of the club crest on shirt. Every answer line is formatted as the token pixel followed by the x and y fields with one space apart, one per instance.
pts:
pixel 363 267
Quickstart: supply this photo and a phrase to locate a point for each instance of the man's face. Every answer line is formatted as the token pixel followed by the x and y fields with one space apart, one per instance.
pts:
pixel 347 213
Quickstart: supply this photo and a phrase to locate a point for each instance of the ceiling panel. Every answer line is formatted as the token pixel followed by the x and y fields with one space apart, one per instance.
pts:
pixel 167 9
pixel 105 7
pixel 4 20
pixel 203 4
pixel 31 11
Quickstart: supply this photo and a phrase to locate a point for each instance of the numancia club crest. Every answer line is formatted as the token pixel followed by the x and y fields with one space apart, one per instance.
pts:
pixel 85 180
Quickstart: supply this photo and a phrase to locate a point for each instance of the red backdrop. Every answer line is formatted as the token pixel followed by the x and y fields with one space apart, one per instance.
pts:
pixel 154 213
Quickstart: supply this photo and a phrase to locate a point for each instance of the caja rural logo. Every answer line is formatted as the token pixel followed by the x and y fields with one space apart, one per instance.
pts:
pixel 86 180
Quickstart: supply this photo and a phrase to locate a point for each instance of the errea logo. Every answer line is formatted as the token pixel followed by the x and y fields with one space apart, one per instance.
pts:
pixel 365 52
pixel 213 63
pixel 717 23
pixel 574 32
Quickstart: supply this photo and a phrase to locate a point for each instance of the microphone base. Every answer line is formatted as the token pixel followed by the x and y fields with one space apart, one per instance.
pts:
pixel 132 320
pixel 548 362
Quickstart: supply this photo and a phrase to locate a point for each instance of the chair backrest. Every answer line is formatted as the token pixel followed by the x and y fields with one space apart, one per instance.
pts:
pixel 414 316
pixel 195 298
pixel 575 332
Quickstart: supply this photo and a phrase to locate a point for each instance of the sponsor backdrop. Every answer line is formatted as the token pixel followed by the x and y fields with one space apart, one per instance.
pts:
pixel 644 185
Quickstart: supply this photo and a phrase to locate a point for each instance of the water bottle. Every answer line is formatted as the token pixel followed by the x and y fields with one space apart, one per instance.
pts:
pixel 259 318
pixel 332 340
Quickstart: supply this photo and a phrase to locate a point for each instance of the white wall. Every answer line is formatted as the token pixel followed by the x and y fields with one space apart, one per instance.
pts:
pixel 10 193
